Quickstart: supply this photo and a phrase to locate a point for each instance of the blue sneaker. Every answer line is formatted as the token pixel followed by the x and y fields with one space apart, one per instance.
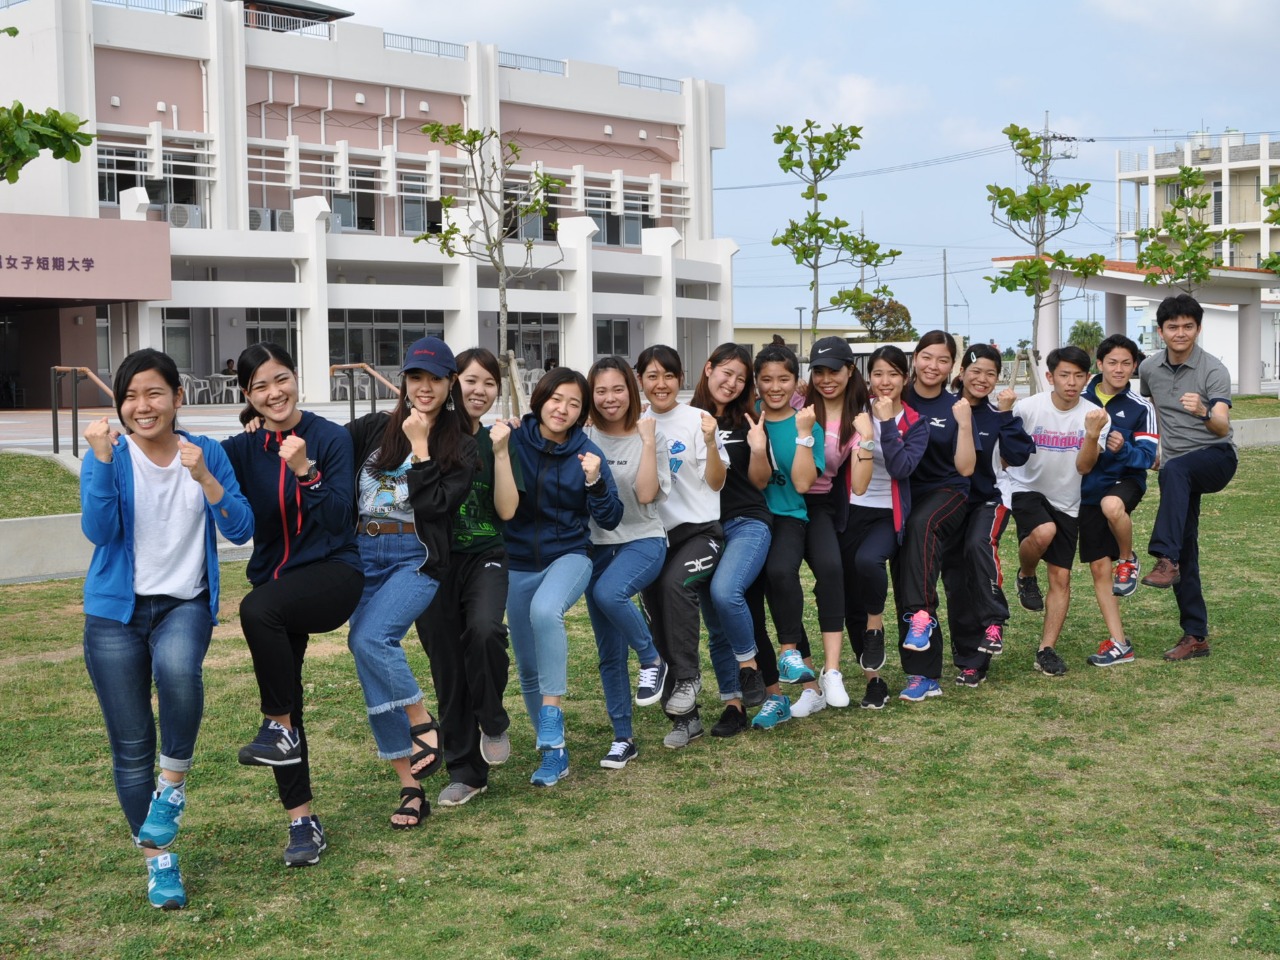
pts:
pixel 274 746
pixel 164 882
pixel 792 668
pixel 164 816
pixel 553 769
pixel 919 632
pixel 918 688
pixel 550 728
pixel 306 843
pixel 776 710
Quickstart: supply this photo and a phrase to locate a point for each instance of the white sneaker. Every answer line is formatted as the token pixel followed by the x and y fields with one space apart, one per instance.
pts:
pixel 833 691
pixel 810 702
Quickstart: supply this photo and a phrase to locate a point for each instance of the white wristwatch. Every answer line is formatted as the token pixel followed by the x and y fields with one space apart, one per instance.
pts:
pixel 805 442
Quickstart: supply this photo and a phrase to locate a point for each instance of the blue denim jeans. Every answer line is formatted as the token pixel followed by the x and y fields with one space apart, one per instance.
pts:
pixel 395 594
pixel 730 628
pixel 620 571
pixel 536 604
pixel 165 643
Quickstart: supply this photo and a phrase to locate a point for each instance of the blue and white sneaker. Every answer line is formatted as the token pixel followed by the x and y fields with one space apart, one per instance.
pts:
pixel 776 710
pixel 164 883
pixel 164 817
pixel 553 769
pixel 919 632
pixel 306 843
pixel 918 688
pixel 792 668
pixel 550 728
pixel 274 746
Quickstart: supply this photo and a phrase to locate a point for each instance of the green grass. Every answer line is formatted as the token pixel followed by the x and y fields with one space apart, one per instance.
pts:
pixel 1124 813
pixel 36 487
pixel 1251 406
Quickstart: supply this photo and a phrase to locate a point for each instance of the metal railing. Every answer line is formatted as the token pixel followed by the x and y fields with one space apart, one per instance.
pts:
pixel 172 8
pixel 351 370
pixel 432 48
pixel 644 81
pixel 279 23
pixel 520 61
pixel 6 4
pixel 79 375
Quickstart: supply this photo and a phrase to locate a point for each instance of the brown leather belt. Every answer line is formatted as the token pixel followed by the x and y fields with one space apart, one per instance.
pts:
pixel 374 528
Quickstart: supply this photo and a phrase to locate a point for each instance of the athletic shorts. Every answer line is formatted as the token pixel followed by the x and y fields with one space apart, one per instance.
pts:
pixel 1096 539
pixel 1031 510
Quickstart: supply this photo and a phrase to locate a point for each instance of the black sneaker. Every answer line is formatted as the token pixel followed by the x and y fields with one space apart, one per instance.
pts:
pixel 969 677
pixel 872 650
pixel 731 723
pixel 274 746
pixel 621 752
pixel 306 843
pixel 1029 593
pixel 752 684
pixel 877 695
pixel 1048 662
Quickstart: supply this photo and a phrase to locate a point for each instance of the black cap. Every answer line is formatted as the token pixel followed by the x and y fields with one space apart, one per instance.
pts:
pixel 832 352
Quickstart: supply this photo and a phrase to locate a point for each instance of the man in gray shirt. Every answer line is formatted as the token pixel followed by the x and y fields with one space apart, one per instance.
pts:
pixel 1192 395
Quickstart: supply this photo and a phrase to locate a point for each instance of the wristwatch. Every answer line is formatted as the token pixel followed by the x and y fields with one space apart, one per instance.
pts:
pixel 867 445
pixel 311 473
pixel 805 441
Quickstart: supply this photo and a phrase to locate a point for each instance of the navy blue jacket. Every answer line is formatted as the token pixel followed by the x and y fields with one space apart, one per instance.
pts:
pixel 996 433
pixel 297 524
pixel 551 519
pixel 1134 418
pixel 937 468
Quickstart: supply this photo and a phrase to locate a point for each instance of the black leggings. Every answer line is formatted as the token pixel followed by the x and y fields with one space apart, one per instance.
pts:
pixel 867 543
pixel 278 618
pixel 822 553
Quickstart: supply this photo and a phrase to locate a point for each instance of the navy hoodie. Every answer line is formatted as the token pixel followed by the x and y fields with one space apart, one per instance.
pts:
pixel 296 524
pixel 551 519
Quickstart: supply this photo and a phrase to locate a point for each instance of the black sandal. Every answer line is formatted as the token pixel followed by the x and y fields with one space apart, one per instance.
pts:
pixel 425 751
pixel 420 812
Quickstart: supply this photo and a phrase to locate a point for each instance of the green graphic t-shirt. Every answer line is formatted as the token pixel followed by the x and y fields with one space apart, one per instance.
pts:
pixel 476 526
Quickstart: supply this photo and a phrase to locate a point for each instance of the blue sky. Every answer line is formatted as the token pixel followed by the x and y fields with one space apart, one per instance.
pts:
pixel 925 80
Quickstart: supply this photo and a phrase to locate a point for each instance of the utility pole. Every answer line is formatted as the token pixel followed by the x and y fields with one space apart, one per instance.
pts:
pixel 800 334
pixel 946 325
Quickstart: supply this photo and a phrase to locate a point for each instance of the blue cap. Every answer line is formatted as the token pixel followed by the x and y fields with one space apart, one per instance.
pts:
pixel 432 355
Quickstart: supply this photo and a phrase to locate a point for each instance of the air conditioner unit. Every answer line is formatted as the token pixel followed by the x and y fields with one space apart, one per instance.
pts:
pixel 284 221
pixel 333 222
pixel 183 215
pixel 260 218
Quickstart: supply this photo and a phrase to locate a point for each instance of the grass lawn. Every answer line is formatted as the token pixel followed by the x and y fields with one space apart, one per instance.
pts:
pixel 36 487
pixel 1124 813
pixel 1251 406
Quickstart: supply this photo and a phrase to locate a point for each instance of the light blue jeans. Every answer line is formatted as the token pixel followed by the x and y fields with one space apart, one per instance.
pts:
pixel 620 571
pixel 730 628
pixel 164 643
pixel 536 604
pixel 395 594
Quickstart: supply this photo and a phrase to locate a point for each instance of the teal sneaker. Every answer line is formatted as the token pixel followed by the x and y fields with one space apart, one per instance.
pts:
pixel 792 668
pixel 776 710
pixel 164 817
pixel 164 882
pixel 553 769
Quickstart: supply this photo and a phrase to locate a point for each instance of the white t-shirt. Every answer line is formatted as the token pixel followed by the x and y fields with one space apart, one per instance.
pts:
pixel 168 529
pixel 1051 470
pixel 690 499
pixel 879 492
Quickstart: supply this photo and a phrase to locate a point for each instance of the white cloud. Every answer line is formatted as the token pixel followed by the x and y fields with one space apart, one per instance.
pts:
pixel 788 91
pixel 710 43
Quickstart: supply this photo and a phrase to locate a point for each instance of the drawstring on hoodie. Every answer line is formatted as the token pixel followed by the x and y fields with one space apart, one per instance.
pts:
pixel 297 497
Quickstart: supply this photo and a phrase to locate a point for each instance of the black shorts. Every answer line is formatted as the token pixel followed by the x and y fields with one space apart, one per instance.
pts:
pixel 1031 510
pixel 1096 539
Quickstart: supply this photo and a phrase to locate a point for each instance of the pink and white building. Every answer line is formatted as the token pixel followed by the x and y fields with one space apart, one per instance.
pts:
pixel 260 173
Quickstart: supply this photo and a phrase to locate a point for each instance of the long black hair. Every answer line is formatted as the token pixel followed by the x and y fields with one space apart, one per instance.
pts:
pixel 856 397
pixel 735 412
pixel 450 425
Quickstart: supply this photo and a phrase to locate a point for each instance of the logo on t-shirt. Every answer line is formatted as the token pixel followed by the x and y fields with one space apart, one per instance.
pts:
pixel 676 447
pixel 1057 440
pixel 937 421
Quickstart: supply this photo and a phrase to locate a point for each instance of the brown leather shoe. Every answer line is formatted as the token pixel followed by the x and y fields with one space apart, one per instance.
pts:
pixel 1165 574
pixel 1188 648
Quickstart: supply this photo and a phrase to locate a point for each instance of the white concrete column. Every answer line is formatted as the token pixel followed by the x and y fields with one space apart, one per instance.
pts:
pixel 1249 331
pixel 229 200
pixel 462 326
pixel 311 275
pixel 1115 308
pixel 661 242
pixel 577 326
pixel 1049 334
pixel 148 329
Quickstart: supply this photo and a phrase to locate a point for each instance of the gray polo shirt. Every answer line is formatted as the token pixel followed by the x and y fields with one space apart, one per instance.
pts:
pixel 1182 432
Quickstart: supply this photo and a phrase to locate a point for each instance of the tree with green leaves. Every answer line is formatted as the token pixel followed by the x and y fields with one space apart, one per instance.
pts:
pixel 1085 334
pixel 885 320
pixel 1036 216
pixel 499 202
pixel 820 240
pixel 1180 251
pixel 1271 198
pixel 25 134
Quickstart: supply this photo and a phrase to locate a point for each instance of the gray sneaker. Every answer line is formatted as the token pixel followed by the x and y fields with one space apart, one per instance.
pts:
pixel 458 793
pixel 495 751
pixel 684 698
pixel 687 729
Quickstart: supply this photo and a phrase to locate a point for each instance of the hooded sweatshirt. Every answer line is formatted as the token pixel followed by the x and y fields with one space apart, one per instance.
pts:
pixel 297 524
pixel 551 519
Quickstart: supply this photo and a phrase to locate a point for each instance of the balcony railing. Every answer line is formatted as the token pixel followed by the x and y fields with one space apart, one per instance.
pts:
pixel 519 61
pixel 278 23
pixel 1131 221
pixel 6 4
pixel 645 82
pixel 432 48
pixel 172 8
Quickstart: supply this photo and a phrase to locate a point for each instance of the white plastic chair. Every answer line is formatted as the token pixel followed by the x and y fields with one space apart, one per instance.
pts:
pixel 193 388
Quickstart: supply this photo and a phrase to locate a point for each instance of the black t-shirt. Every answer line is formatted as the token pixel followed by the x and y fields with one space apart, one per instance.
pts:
pixel 740 498
pixel 937 468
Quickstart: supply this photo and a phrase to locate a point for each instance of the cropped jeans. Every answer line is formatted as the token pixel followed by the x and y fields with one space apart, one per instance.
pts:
pixel 395 595
pixel 620 571
pixel 730 627
pixel 537 601
pixel 164 642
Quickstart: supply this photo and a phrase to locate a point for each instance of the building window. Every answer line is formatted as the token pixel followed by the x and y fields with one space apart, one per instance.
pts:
pixel 535 337
pixel 619 231
pixel 270 326
pixel 104 342
pixel 357 208
pixel 176 325
pixel 1172 193
pixel 379 338
pixel 613 337
pixel 418 215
